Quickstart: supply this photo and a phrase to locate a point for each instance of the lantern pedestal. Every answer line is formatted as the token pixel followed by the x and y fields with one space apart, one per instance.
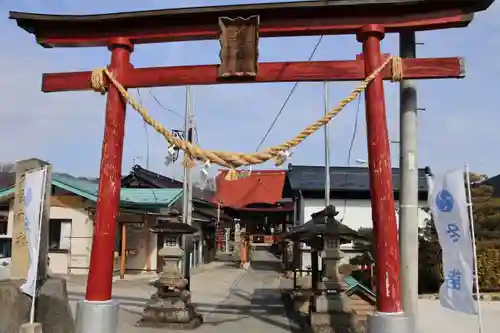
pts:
pixel 171 307
pixel 332 309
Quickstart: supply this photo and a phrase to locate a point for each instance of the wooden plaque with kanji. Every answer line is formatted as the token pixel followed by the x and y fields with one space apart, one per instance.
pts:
pixel 239 41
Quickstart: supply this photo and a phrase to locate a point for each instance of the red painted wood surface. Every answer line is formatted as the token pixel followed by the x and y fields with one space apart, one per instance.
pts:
pixel 277 20
pixel 350 70
pixel 297 27
pixel 101 266
pixel 385 239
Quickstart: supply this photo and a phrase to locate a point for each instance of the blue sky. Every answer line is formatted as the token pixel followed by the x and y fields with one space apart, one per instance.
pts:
pixel 460 124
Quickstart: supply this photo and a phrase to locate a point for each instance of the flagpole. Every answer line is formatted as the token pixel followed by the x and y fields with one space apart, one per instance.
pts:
pixel 39 232
pixel 476 276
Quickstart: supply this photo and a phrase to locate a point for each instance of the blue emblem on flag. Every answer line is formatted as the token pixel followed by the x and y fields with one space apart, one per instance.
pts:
pixel 27 196
pixel 445 201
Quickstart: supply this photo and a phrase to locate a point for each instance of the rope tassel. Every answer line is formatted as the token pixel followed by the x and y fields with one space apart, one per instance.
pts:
pixel 282 157
pixel 188 162
pixel 231 175
pixel 204 170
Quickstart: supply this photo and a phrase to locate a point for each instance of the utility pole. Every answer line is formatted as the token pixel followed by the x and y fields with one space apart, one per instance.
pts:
pixel 187 187
pixel 330 249
pixel 408 193
pixel 327 149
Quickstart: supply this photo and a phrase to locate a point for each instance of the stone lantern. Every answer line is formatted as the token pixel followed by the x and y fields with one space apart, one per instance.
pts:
pixel 171 307
pixel 333 310
pixel 330 308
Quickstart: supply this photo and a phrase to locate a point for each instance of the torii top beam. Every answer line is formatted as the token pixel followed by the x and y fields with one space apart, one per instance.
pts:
pixel 276 20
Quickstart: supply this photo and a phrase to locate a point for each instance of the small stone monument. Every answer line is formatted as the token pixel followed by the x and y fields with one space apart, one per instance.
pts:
pixel 53 311
pixel 171 307
pixel 20 248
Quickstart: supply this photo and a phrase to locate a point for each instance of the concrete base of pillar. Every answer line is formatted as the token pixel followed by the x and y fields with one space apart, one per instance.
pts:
pixel 388 323
pixel 31 328
pixel 97 317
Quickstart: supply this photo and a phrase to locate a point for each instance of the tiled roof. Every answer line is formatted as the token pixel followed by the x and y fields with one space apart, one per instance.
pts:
pixel 151 196
pixel 128 196
pixel 261 186
pixel 152 178
pixel 317 226
pixel 148 178
pixel 7 179
pixel 312 178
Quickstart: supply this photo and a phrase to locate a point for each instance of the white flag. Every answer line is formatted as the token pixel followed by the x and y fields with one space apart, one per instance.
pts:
pixel 34 192
pixel 448 202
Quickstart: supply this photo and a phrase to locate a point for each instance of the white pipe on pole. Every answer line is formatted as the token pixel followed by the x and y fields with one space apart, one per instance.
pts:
pixel 476 276
pixel 39 237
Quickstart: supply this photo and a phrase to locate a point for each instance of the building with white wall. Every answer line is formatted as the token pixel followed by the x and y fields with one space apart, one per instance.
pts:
pixel 355 213
pixel 72 213
pixel 349 193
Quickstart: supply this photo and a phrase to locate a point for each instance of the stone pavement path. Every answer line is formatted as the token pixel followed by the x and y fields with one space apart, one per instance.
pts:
pixel 230 299
pixel 254 304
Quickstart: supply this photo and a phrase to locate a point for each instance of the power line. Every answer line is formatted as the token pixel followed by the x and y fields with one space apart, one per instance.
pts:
pixel 351 145
pixel 288 98
pixel 355 132
pixel 163 106
pixel 197 138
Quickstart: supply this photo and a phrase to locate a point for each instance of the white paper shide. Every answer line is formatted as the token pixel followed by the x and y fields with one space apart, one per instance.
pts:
pixel 448 202
pixel 34 192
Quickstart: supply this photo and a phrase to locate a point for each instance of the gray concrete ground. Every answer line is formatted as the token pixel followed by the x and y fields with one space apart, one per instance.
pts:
pixel 236 300
pixel 231 299
pixel 434 318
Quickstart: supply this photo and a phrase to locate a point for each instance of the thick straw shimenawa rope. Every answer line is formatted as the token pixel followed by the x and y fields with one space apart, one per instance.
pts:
pixel 234 160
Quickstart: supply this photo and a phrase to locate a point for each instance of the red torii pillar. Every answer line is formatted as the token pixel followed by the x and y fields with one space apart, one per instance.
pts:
pixel 100 279
pixel 382 190
pixel 99 286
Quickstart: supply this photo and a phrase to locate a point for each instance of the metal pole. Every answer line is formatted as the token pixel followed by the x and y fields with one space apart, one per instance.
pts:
pixel 474 249
pixel 327 266
pixel 408 194
pixel 190 138
pixel 327 150
pixel 187 187
pixel 388 318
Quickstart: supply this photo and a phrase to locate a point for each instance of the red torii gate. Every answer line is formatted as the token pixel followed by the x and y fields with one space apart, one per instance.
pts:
pixel 367 19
